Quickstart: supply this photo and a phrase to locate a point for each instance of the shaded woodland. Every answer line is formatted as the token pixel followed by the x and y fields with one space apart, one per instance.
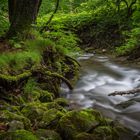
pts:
pixel 40 41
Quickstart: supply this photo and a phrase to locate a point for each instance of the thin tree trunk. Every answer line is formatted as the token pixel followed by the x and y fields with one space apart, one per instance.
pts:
pixel 22 15
pixel 50 19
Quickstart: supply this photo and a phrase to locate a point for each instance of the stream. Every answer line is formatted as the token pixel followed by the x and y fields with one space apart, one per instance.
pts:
pixel 100 76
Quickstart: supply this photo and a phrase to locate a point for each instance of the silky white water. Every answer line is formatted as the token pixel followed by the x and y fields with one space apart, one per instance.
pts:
pixel 100 76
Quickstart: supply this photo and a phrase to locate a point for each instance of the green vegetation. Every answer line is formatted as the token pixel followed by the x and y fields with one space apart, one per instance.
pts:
pixel 3 17
pixel 100 24
pixel 39 41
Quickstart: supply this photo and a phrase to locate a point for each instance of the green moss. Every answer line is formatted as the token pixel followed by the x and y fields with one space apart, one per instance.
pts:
pixel 75 122
pixel 55 105
pixel 18 135
pixel 50 118
pixel 18 61
pixel 62 102
pixel 10 78
pixel 34 110
pixel 46 96
pixel 84 136
pixel 15 125
pixel 8 117
pixel 70 68
pixel 47 134
pixel 106 132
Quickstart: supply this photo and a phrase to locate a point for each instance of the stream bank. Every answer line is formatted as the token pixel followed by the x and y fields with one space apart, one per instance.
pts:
pixel 101 75
pixel 30 103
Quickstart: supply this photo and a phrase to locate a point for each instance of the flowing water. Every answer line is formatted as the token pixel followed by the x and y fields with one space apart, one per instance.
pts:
pixel 100 76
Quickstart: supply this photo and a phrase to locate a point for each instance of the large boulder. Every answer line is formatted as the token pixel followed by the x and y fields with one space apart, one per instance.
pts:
pixel 75 122
pixel 86 124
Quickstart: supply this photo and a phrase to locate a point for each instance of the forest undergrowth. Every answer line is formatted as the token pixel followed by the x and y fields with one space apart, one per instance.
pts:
pixel 34 64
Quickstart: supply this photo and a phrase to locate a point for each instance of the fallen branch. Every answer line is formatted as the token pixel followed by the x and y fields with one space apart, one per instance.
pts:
pixel 133 91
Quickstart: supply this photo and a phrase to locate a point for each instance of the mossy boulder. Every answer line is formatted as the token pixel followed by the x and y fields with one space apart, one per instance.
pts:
pixel 75 122
pixel 18 135
pixel 35 110
pixel 84 136
pixel 50 118
pixel 15 125
pixel 106 133
pixel 43 134
pixel 10 117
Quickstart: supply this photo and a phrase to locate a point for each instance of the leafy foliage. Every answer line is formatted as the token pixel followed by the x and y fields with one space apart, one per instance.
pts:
pixel 131 43
pixel 18 61
pixel 3 17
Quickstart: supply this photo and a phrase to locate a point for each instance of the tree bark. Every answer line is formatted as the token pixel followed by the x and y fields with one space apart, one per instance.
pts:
pixel 11 9
pixel 22 14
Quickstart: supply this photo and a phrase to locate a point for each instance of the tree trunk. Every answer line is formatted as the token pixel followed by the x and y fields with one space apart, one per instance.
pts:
pixel 22 14
pixel 11 8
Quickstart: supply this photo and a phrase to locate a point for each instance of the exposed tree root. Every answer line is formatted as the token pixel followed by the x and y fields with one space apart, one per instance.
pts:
pixel 16 78
pixel 68 57
pixel 9 81
pixel 133 91
pixel 60 77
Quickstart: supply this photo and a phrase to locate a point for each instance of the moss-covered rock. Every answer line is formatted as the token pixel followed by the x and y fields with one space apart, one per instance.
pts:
pixel 15 125
pixel 106 133
pixel 8 117
pixel 84 136
pixel 34 110
pixel 75 122
pixel 18 135
pixel 43 134
pixel 50 118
